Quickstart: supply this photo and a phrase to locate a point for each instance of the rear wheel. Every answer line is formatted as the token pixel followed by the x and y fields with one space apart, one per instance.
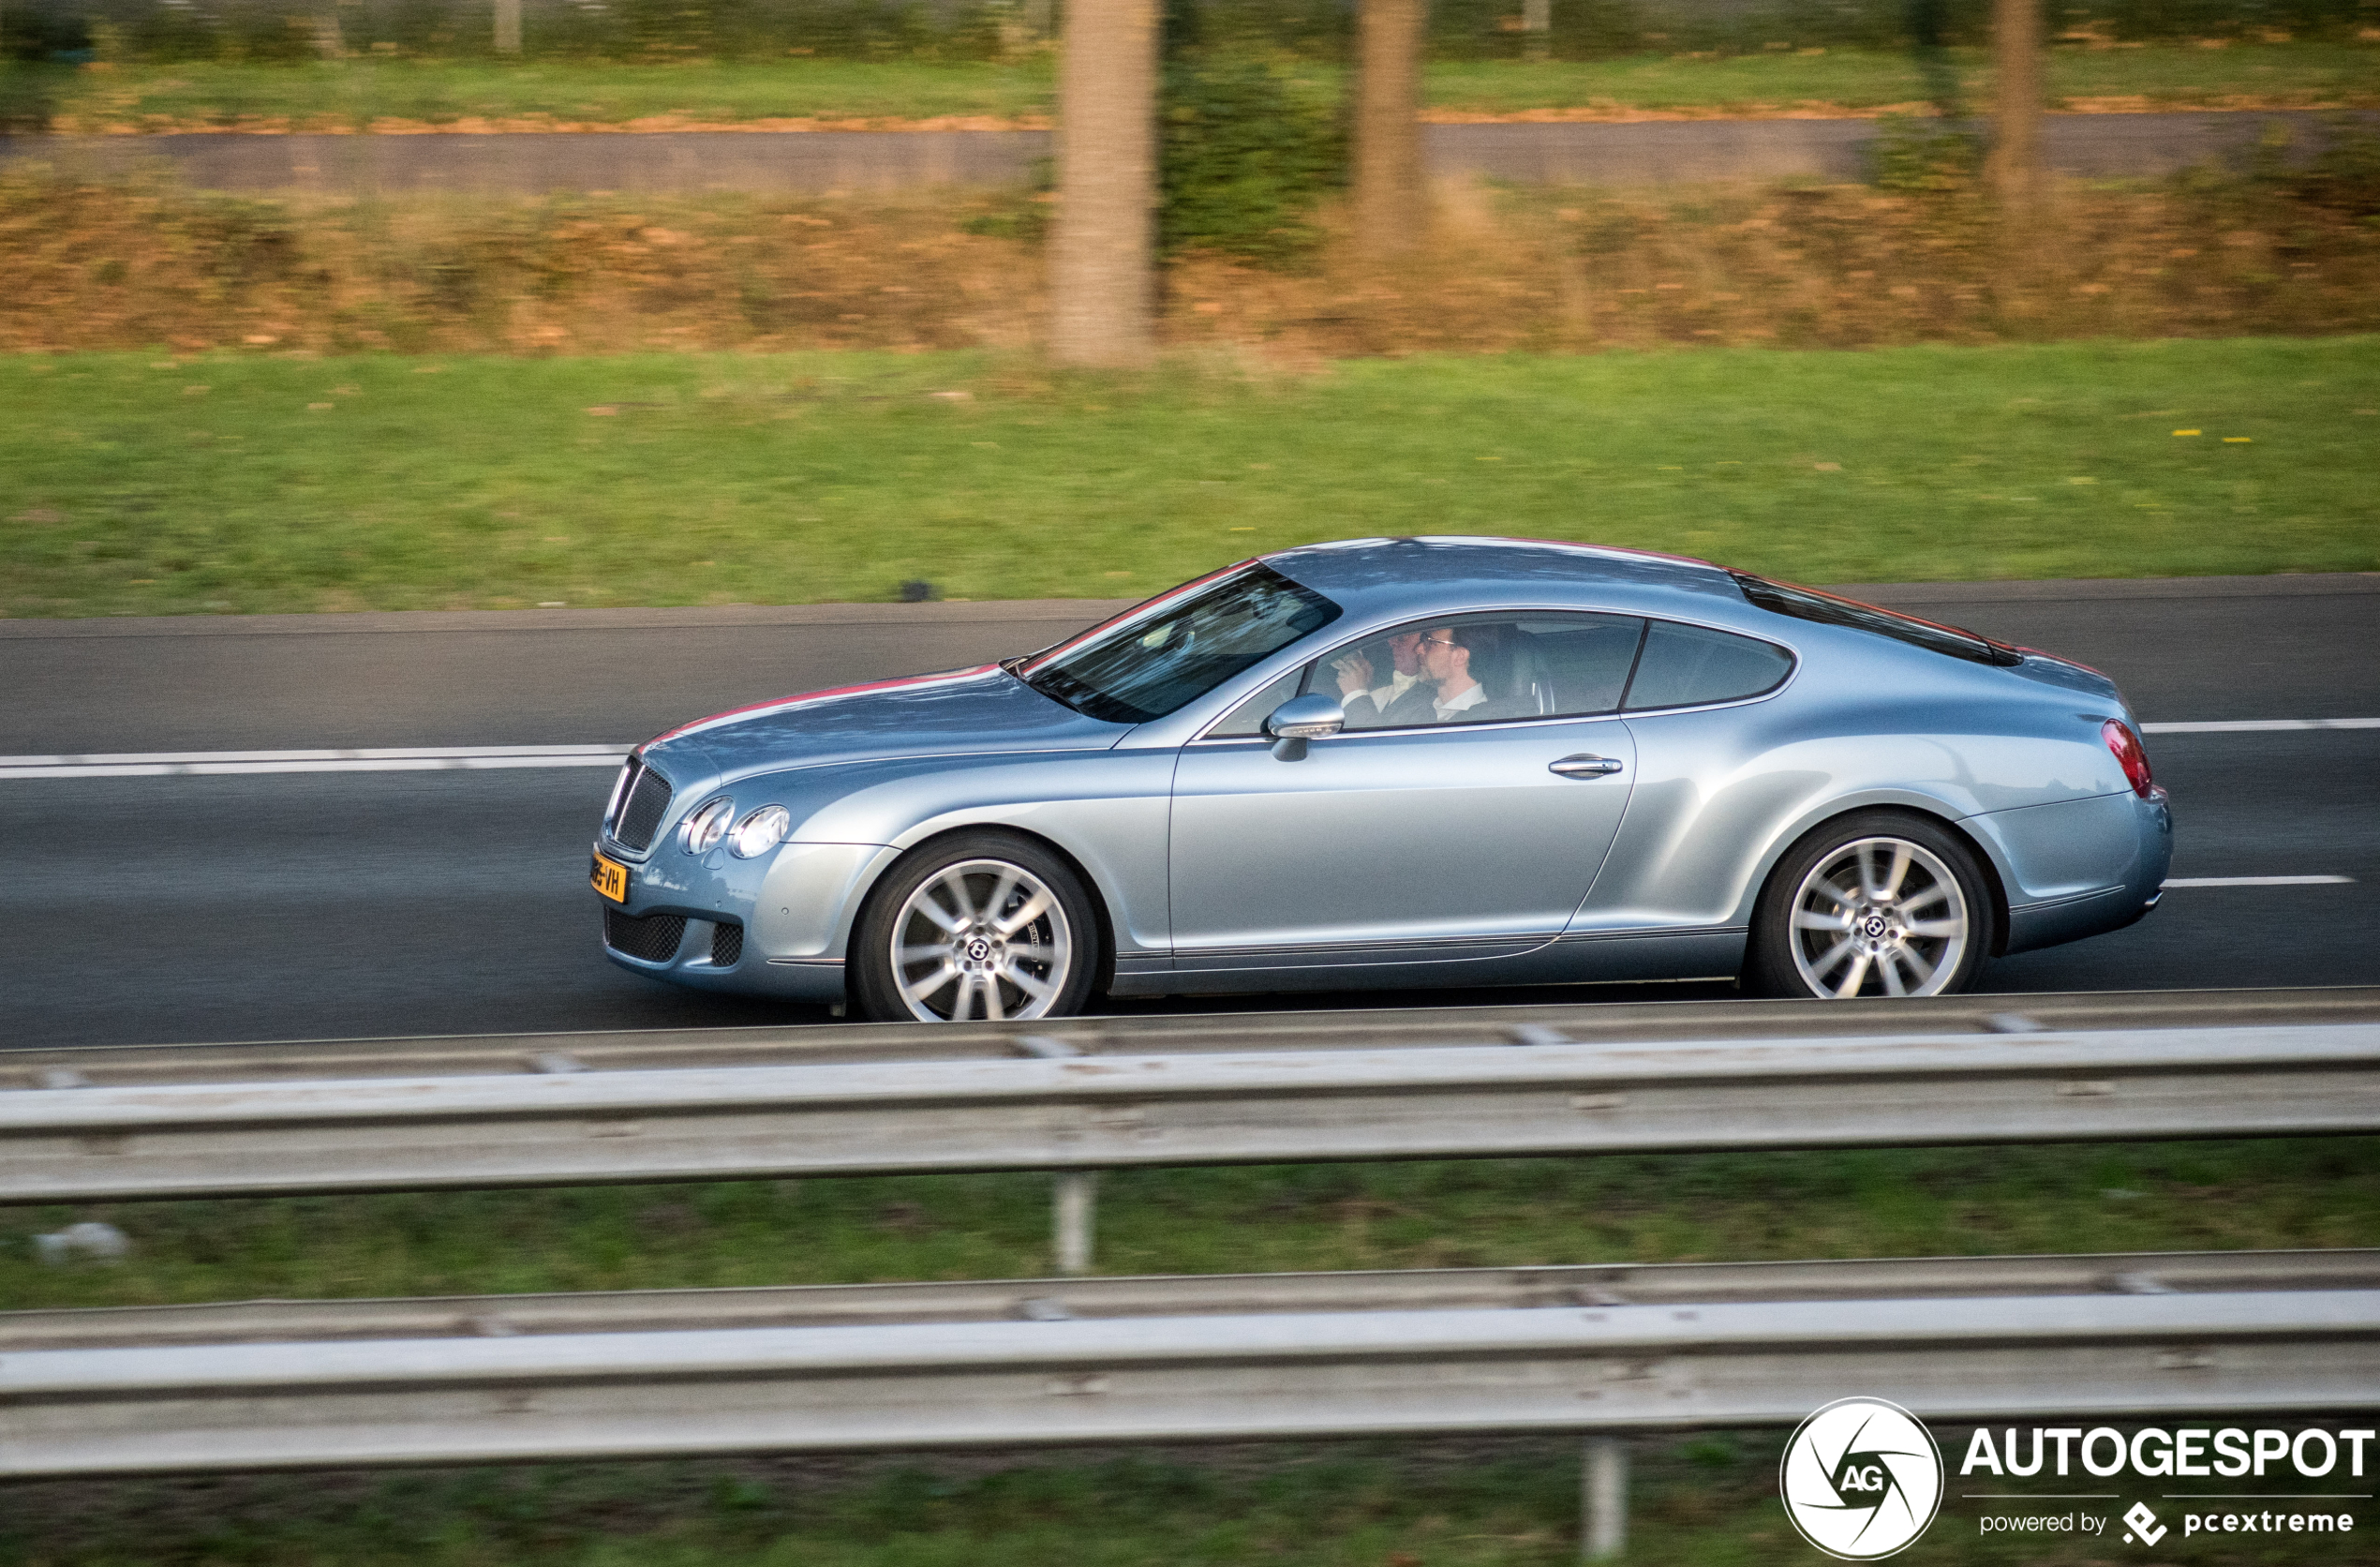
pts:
pixel 1874 903
pixel 982 926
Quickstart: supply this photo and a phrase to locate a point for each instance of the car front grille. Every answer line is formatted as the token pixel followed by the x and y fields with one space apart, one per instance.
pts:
pixel 726 945
pixel 643 805
pixel 653 939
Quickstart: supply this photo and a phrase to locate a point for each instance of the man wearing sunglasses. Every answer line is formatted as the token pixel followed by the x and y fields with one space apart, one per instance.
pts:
pixel 1448 654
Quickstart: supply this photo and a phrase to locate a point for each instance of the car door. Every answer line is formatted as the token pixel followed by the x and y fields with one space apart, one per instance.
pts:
pixel 1715 768
pixel 1420 840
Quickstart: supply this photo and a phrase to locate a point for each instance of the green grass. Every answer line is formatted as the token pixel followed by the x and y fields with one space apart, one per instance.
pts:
pixel 1706 1499
pixel 2222 1196
pixel 440 92
pixel 2172 75
pixel 357 92
pixel 243 482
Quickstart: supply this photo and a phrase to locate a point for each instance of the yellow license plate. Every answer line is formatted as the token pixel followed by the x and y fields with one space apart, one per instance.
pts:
pixel 611 879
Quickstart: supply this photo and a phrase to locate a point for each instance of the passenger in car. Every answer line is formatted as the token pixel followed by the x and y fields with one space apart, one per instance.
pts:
pixel 1453 657
pixel 1403 698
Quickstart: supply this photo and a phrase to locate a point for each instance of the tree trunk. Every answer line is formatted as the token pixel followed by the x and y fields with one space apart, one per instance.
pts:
pixel 508 26
pixel 1537 29
pixel 2016 156
pixel 1389 206
pixel 1100 247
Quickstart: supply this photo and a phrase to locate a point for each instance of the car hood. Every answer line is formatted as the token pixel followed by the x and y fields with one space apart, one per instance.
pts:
pixel 959 712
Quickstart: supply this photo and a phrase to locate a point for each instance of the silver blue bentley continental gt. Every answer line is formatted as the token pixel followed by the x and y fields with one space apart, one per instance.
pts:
pixel 1390 763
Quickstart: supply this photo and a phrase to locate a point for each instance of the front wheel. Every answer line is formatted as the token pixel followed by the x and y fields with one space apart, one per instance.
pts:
pixel 983 926
pixel 1874 903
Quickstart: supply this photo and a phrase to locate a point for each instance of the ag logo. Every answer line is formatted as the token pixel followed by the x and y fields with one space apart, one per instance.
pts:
pixel 1861 1479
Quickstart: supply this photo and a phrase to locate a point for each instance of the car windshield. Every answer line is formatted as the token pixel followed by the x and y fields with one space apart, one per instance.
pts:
pixel 1149 666
pixel 1804 603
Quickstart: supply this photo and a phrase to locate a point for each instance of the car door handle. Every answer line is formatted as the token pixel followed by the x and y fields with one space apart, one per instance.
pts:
pixel 1583 766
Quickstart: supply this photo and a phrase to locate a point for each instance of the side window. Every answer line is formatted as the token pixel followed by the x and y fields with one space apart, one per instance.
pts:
pixel 1685 666
pixel 1480 668
pixel 1586 658
pixel 1248 717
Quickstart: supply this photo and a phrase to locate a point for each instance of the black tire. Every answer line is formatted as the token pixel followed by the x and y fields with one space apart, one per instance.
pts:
pixel 1048 966
pixel 1840 869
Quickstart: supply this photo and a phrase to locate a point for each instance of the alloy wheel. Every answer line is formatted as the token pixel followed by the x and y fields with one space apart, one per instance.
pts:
pixel 1879 917
pixel 982 938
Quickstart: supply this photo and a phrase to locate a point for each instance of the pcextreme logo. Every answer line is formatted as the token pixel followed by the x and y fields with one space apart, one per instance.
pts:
pixel 1862 1478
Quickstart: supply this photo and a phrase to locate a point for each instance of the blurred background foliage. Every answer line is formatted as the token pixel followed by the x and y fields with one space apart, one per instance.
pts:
pixel 1247 149
pixel 153 31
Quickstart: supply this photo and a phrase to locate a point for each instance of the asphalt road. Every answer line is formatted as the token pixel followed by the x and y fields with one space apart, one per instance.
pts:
pixel 312 905
pixel 2085 146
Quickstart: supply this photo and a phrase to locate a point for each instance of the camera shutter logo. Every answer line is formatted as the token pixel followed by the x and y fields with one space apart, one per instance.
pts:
pixel 1862 1478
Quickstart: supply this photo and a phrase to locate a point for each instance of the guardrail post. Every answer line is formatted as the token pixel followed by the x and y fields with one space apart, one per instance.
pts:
pixel 1603 1499
pixel 1071 1216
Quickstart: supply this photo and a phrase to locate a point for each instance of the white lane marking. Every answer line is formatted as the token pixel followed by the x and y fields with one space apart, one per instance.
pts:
pixel 2258 725
pixel 166 764
pixel 2259 881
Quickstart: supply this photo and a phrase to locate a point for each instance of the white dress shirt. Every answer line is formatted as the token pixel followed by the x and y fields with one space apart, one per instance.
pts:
pixel 1398 685
pixel 1471 697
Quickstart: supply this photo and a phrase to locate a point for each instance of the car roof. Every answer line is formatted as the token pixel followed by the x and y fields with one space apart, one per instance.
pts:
pixel 1390 576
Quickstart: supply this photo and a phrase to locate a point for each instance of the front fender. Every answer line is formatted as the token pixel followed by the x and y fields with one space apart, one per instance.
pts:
pixel 1105 809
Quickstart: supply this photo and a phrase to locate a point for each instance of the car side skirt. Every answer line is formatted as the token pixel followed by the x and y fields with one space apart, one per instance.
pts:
pixel 1696 954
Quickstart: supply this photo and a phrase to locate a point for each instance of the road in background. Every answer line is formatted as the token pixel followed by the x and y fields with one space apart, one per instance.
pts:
pixel 1650 152
pixel 315 905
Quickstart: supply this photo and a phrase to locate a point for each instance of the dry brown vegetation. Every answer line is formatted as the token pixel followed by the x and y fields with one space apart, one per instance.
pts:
pixel 117 265
pixel 1815 267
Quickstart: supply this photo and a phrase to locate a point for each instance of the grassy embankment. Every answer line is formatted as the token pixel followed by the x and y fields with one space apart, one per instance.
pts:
pixel 1638 1208
pixel 251 481
pixel 1707 1499
pixel 420 94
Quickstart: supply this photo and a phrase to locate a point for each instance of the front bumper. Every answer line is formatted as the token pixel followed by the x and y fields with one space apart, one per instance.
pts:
pixel 776 926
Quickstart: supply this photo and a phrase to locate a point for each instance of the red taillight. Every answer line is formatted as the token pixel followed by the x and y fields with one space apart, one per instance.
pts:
pixel 2134 761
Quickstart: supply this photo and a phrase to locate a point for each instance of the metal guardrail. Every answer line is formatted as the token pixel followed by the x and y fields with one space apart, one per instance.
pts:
pixel 1067 1112
pixel 1886 1278
pixel 1208 1032
pixel 1300 1363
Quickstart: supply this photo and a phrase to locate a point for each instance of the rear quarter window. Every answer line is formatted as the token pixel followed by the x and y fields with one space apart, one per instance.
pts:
pixel 1688 667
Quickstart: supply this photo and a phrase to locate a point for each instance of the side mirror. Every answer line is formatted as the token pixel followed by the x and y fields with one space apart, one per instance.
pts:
pixel 1300 719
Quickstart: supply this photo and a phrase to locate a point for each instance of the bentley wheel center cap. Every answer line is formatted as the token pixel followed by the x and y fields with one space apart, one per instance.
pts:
pixel 1875 927
pixel 978 950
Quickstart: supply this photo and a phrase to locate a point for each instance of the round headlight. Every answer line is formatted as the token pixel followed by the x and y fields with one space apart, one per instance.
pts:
pixel 706 827
pixel 762 831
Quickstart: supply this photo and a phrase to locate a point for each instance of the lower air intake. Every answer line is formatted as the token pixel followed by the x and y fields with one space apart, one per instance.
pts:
pixel 653 939
pixel 726 945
